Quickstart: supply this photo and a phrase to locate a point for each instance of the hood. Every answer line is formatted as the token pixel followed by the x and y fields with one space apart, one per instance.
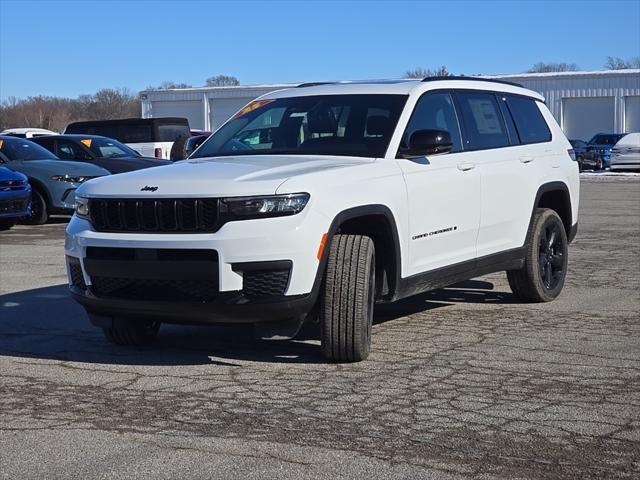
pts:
pixel 214 177
pixel 8 174
pixel 129 164
pixel 48 168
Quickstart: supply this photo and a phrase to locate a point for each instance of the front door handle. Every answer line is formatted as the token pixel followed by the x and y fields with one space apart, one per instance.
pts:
pixel 464 166
pixel 526 159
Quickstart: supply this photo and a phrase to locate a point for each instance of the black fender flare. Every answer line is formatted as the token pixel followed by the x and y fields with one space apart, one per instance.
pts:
pixel 350 214
pixel 551 187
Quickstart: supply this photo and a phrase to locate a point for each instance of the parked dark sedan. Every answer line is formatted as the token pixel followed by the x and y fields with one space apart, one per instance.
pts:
pixel 15 197
pixel 104 152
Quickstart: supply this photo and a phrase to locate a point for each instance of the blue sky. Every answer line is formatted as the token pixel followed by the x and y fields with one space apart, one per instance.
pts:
pixel 69 48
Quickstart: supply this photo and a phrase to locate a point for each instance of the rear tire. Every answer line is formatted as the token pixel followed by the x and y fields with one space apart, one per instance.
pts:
pixel 545 269
pixel 39 214
pixel 131 332
pixel 7 223
pixel 347 299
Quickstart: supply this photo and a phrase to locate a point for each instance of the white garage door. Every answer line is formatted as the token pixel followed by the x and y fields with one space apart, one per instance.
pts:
pixel 189 109
pixel 223 108
pixel 632 114
pixel 584 117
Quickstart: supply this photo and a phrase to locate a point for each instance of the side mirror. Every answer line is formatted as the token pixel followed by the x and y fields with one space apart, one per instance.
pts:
pixel 191 146
pixel 428 142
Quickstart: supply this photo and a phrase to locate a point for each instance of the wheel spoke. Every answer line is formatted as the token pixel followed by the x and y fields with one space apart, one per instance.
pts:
pixel 547 276
pixel 542 261
pixel 557 260
pixel 545 239
pixel 552 238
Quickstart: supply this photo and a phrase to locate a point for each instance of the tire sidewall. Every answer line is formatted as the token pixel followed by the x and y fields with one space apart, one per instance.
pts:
pixel 37 218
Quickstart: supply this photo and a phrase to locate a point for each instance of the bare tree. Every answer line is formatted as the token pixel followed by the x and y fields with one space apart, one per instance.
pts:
pixel 617 63
pixel 545 67
pixel 168 84
pixel 55 113
pixel 110 103
pixel 427 72
pixel 222 81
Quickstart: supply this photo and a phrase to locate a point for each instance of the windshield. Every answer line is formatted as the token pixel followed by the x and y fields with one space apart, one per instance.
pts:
pixel 109 148
pixel 605 139
pixel 345 125
pixel 16 149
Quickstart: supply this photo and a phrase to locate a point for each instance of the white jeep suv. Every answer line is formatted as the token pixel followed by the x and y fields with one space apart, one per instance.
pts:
pixel 323 200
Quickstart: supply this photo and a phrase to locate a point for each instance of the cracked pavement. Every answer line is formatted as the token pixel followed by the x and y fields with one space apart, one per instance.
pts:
pixel 462 382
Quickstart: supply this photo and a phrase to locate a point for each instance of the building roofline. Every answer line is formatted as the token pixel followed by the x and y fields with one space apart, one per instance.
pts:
pixel 630 71
pixel 499 77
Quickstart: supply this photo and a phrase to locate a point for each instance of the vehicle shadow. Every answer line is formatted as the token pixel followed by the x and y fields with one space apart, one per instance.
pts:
pixel 45 323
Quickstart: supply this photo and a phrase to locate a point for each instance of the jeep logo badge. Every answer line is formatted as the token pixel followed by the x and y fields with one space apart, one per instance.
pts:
pixel 147 188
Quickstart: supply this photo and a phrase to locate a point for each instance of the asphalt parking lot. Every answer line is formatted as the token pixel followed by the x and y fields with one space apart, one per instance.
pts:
pixel 462 382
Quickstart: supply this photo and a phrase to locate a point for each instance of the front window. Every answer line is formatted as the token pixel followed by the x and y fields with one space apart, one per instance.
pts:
pixel 16 149
pixel 343 125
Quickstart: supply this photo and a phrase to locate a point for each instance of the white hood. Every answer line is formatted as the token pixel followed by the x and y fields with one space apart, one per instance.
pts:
pixel 215 177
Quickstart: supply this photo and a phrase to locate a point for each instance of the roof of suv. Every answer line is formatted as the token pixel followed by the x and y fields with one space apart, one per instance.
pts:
pixel 401 87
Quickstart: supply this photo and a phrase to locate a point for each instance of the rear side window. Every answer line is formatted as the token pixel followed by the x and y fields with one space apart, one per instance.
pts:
pixel 529 121
pixel 484 127
pixel 170 132
pixel 137 133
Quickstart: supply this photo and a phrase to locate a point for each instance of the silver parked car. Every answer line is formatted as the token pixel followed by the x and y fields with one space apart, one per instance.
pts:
pixel 625 155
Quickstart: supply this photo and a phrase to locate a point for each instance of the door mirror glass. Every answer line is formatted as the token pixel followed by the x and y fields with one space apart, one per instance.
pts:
pixel 428 142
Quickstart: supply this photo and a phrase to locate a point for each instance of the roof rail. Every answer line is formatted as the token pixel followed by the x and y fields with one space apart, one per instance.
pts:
pixel 475 79
pixel 313 84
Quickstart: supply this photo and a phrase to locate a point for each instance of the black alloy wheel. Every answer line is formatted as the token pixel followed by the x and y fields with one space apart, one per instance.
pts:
pixel 551 256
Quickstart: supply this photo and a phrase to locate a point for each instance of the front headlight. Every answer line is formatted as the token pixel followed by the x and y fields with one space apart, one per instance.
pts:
pixel 82 207
pixel 244 208
pixel 69 179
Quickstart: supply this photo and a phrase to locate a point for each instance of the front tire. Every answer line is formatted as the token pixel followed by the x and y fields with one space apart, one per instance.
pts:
pixel 131 332
pixel 39 214
pixel 547 254
pixel 347 299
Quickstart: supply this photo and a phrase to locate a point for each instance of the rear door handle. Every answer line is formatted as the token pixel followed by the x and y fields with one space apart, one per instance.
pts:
pixel 464 166
pixel 526 159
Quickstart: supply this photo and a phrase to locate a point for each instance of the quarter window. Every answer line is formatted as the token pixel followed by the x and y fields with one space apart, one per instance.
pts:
pixel 529 121
pixel 483 123
pixel 435 111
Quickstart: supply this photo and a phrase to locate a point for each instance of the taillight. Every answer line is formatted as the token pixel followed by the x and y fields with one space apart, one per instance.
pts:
pixel 572 154
pixel 158 153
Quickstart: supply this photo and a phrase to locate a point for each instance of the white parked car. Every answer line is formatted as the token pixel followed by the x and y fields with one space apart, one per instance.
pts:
pixel 625 155
pixel 27 132
pixel 321 201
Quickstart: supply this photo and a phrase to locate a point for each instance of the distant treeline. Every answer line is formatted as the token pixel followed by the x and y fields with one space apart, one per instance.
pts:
pixel 55 113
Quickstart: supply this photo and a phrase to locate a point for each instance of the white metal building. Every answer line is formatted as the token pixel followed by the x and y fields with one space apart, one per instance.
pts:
pixel 583 103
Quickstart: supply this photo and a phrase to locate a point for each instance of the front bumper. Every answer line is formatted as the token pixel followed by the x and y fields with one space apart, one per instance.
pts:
pixel 15 204
pixel 162 261
pixel 230 307
pixel 63 196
